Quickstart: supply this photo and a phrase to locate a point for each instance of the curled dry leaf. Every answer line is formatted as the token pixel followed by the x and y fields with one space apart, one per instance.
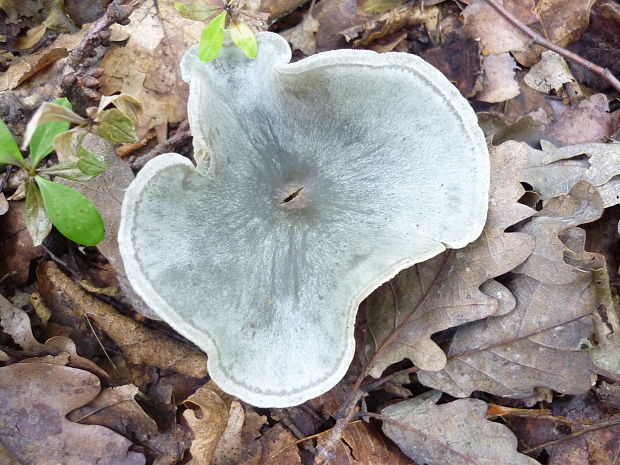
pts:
pixel 456 298
pixel 553 170
pixel 550 73
pixel 301 37
pixel 34 399
pixel 457 433
pixel 499 83
pixel 207 417
pixel 139 344
pixel 146 67
pixel 539 343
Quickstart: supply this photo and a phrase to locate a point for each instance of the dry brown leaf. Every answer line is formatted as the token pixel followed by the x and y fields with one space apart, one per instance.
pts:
pixel 117 409
pixel 16 323
pixel 279 447
pixel 16 248
pixel 207 417
pixel 553 170
pixel 550 73
pixel 239 442
pixel 301 37
pixel 589 121
pixel 138 343
pixel 496 34
pixel 456 433
pixel 335 16
pixel 362 444
pixel 147 66
pixel 499 83
pixel 276 8
pixel 539 343
pixel 4 204
pixel 23 68
pixel 563 21
pixel 456 299
pixel 526 129
pixel 34 399
pixel 31 38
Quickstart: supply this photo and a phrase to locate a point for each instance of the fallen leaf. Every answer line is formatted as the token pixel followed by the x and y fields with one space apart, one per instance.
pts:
pixel 31 38
pixel 589 121
pixel 526 129
pixel 207 417
pixel 496 34
pixel 457 433
pixel 563 21
pixel 35 397
pixel 4 204
pixel 499 83
pixel 116 409
pixel 335 16
pixel 239 441
pixel 301 37
pixel 147 66
pixel 16 248
pixel 550 73
pixel 138 343
pixel 553 171
pixel 458 274
pixel 279 447
pixel 539 343
pixel 362 444
pixel 278 8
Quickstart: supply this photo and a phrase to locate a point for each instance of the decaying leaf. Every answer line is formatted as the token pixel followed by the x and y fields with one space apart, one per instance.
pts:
pixel 207 416
pixel 34 399
pixel 541 342
pixel 526 129
pixel 550 73
pixel 589 121
pixel 301 37
pixel 147 66
pixel 362 444
pixel 563 20
pixel 239 442
pixel 499 83
pixel 456 433
pixel 137 342
pixel 553 170
pixel 452 280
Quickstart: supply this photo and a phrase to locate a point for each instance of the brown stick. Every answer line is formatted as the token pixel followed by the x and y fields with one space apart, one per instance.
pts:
pixel 543 42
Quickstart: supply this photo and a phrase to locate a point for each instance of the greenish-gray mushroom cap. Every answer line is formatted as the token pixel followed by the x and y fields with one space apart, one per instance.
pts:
pixel 324 178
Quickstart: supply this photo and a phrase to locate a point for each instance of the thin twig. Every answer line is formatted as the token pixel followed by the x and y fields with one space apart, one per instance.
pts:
pixel 543 42
pixel 347 411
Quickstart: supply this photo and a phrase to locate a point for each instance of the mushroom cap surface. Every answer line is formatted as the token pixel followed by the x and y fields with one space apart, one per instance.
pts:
pixel 325 178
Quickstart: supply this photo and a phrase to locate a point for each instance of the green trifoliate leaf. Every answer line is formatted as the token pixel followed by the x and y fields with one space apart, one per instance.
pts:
pixel 91 164
pixel 42 141
pixel 244 38
pixel 73 214
pixel 9 151
pixel 197 11
pixel 212 38
pixel 35 218
pixel 117 127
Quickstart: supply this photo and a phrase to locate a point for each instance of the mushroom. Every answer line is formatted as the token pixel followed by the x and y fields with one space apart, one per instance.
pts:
pixel 324 178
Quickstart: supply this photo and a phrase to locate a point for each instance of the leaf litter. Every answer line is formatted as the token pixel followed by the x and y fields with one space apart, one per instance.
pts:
pixel 521 317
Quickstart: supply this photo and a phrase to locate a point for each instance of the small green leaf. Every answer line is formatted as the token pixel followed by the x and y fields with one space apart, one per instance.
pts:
pixel 73 214
pixel 244 38
pixel 91 164
pixel 9 151
pixel 36 219
pixel 197 11
pixel 117 127
pixel 212 38
pixel 42 141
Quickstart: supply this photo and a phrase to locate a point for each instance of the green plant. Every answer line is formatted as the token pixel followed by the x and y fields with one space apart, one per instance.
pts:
pixel 50 203
pixel 241 25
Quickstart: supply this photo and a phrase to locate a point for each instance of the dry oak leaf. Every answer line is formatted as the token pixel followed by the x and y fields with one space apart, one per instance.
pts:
pixel 499 83
pixel 589 121
pixel 496 34
pixel 539 343
pixel 550 73
pixel 239 442
pixel 457 276
pixel 207 417
pixel 34 399
pixel 147 66
pixel 563 21
pixel 16 323
pixel 456 433
pixel 553 171
pixel 139 344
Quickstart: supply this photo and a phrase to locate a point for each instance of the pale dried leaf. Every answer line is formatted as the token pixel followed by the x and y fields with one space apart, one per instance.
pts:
pixel 540 343
pixel 239 443
pixel 301 37
pixel 553 171
pixel 31 38
pixel 207 417
pixel 456 298
pixel 456 433
pixel 550 73
pixel 138 343
pixel 499 83
pixel 4 204
pixel 564 20
pixel 34 399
